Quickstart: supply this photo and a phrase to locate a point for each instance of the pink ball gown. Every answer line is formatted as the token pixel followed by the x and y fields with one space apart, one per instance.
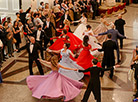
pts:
pixel 53 85
pixel 100 29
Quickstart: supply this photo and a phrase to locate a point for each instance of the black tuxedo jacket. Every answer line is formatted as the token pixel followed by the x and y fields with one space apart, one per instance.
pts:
pixel 48 31
pixel 42 35
pixel 120 25
pixel 108 47
pixel 94 82
pixel 34 54
pixel 23 15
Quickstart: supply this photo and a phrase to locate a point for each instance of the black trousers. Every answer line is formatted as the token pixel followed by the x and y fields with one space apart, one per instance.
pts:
pixel 38 65
pixel 111 71
pixel 17 45
pixel 42 54
pixel 46 41
pixel 3 51
pixel 121 43
pixel 94 14
pixel 88 91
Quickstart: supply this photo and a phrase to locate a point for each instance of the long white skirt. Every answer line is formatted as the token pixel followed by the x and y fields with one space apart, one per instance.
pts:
pixel 79 31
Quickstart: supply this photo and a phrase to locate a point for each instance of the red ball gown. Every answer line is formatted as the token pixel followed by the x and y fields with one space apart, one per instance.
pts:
pixel 69 38
pixel 85 58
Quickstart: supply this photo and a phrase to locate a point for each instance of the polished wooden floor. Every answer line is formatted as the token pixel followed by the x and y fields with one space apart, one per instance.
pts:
pixel 118 89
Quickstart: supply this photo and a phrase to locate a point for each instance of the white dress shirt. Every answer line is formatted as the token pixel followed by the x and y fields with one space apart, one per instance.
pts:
pixel 31 47
pixel 47 24
pixel 38 35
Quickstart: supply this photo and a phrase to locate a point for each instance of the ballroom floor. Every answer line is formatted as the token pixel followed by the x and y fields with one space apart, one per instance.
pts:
pixel 119 89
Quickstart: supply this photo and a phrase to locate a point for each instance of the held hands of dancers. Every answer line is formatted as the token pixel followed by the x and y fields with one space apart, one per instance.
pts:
pixel 95 35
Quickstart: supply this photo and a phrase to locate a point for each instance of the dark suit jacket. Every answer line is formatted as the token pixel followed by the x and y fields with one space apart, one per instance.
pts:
pixel 48 31
pixel 94 5
pixel 23 15
pixel 42 35
pixel 34 54
pixel 94 80
pixel 115 35
pixel 108 47
pixel 120 25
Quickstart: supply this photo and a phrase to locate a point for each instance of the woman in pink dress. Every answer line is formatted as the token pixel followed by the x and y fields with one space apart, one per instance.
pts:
pixel 85 58
pixel 101 28
pixel 54 85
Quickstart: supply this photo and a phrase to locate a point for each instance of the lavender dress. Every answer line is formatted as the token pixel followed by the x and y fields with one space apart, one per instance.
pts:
pixel 67 62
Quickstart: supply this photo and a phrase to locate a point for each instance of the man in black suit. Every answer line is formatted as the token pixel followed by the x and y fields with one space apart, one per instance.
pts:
pixel 119 23
pixel 39 36
pixel 115 35
pixel 94 83
pixel 48 31
pixel 108 59
pixel 23 15
pixel 32 49
pixel 94 8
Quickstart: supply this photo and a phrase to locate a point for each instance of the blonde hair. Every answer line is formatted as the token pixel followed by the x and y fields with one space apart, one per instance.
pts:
pixel 67 22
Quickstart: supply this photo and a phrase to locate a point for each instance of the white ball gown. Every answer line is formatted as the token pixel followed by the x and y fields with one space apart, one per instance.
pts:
pixel 81 28
pixel 67 62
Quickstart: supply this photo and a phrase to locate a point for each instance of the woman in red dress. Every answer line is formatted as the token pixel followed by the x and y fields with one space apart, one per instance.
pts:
pixel 65 37
pixel 85 58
